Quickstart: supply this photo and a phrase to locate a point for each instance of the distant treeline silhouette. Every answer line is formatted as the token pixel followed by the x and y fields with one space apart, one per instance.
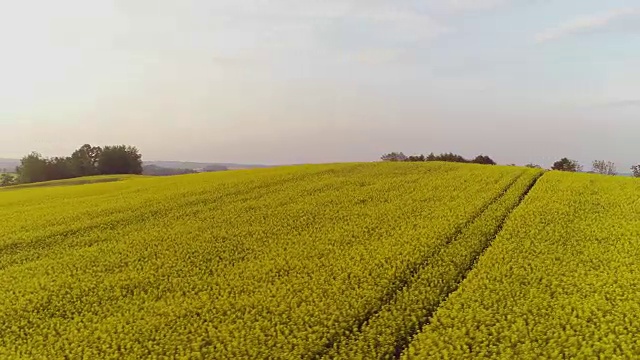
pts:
pixel 449 157
pixel 86 161
pixel 565 164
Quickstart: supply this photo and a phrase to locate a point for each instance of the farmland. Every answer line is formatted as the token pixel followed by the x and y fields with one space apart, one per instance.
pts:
pixel 560 281
pixel 385 260
pixel 74 181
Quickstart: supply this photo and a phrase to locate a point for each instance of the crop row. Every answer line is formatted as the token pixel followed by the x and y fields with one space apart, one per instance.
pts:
pixel 386 334
pixel 560 281
pixel 274 263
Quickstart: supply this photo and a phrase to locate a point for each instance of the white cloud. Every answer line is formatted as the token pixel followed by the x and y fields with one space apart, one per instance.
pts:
pixel 584 24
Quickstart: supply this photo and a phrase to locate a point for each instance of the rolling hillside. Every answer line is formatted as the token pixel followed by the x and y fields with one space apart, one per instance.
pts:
pixel 10 165
pixel 560 281
pixel 383 260
pixel 200 165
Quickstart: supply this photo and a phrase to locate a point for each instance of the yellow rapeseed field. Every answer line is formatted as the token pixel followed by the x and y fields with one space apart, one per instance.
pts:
pixel 561 281
pixel 291 262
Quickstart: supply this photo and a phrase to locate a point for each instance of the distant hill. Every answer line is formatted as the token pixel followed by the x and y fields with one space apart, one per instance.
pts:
pixel 155 170
pixel 200 165
pixel 9 164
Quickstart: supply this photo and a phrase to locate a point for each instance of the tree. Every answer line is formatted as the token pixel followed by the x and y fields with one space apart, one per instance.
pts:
pixel 451 157
pixel 416 158
pixel 394 157
pixel 636 170
pixel 87 160
pixel 84 161
pixel 566 164
pixel 533 166
pixel 6 179
pixel 448 157
pixel 604 167
pixel 58 168
pixel 32 168
pixel 483 159
pixel 120 159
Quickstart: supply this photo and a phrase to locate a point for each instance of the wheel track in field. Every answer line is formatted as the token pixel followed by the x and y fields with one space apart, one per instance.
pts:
pixel 405 281
pixel 403 345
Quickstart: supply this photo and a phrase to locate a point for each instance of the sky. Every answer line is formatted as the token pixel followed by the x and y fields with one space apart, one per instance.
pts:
pixel 313 81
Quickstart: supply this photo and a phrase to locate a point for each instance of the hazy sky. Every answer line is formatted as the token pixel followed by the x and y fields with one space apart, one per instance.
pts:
pixel 289 81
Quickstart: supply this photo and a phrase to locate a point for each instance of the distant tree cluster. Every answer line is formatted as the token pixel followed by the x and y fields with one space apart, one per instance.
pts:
pixel 394 157
pixel 86 161
pixel 597 167
pixel 566 164
pixel 604 167
pixel 448 157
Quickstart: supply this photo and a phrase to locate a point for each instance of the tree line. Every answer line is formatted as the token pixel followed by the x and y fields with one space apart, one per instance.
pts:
pixel 85 161
pixel 597 167
pixel 565 164
pixel 449 157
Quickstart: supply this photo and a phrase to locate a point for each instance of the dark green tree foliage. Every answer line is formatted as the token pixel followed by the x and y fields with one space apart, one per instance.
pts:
pixel 394 156
pixel 58 168
pixel 416 158
pixel 448 157
pixel 636 170
pixel 533 166
pixel 451 157
pixel 483 159
pixel 85 160
pixel 120 159
pixel 32 168
pixel 566 164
